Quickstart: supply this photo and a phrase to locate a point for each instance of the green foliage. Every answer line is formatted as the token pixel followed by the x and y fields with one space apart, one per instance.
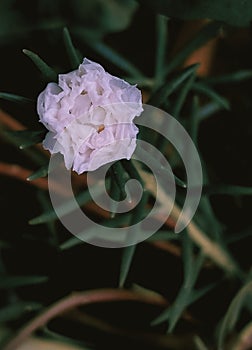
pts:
pixel 161 35
pixel 14 98
pixel 157 166
pixel 208 32
pixel 26 138
pixel 48 73
pixel 9 282
pixel 15 311
pixel 185 89
pixel 103 16
pixel 129 251
pixel 242 299
pixel 74 57
pixel 23 139
pixel 127 257
pixel 234 77
pixel 114 57
pixel 119 179
pixel 234 12
pixel 180 92
pixel 187 294
pixel 116 221
pixel 209 92
pixel 95 17
pixel 7 17
pixel 82 198
pixel 41 172
pixel 227 189
pixel 168 88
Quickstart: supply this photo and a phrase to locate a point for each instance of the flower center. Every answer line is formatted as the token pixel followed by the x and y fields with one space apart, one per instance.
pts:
pixel 100 128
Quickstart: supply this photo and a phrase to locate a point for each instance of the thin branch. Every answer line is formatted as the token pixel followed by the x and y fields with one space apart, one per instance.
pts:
pixel 244 341
pixel 209 248
pixel 167 247
pixel 22 174
pixel 11 123
pixel 78 299
pixel 156 340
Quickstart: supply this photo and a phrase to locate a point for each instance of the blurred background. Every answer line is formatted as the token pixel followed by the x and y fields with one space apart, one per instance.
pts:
pixel 125 36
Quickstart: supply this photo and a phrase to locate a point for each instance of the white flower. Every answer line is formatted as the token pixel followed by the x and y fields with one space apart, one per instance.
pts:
pixel 89 115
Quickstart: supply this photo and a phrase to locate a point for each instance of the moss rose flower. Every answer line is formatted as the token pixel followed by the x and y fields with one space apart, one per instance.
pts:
pixel 89 115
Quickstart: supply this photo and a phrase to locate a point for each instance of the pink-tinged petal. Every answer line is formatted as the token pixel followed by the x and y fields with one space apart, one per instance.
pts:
pixel 89 115
pixel 117 150
pixel 49 142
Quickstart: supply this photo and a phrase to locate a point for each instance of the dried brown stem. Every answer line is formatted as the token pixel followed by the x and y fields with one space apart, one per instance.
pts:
pixel 12 124
pixel 77 299
pixel 244 341
pixel 209 248
pixel 150 339
pixel 22 174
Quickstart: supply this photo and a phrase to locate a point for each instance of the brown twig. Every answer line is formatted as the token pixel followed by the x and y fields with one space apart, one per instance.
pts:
pixel 244 341
pixel 143 338
pixel 22 174
pixel 205 54
pixel 209 248
pixel 78 299
pixel 12 124
pixel 167 247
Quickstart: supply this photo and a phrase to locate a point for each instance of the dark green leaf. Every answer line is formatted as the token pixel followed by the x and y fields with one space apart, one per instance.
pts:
pixel 143 154
pixel 8 282
pixel 161 38
pixel 237 236
pixel 234 12
pixel 49 74
pixel 242 298
pixel 208 110
pixel 14 98
pixel 171 86
pixel 209 220
pixel 45 204
pixel 208 32
pixel 227 189
pixel 194 120
pixel 129 251
pixel 41 172
pixel 212 94
pixel 119 177
pixel 114 222
pixel 114 57
pixel 74 58
pixel 26 138
pixel 13 137
pixel 66 208
pixel 173 313
pixel 235 77
pixel 132 170
pixel 199 293
pixel 18 309
pixel 127 257
pixel 182 94
pixel 164 236
pixel 192 267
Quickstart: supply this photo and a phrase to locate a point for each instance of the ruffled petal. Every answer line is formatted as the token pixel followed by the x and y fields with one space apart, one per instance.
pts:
pixel 89 115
